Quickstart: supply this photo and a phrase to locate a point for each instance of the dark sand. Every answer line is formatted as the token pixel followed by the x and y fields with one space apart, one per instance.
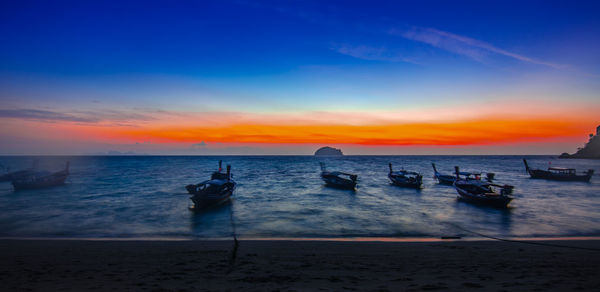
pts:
pixel 67 265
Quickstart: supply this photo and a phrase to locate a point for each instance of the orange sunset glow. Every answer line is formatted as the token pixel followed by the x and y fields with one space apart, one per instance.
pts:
pixel 450 133
pixel 377 129
pixel 493 124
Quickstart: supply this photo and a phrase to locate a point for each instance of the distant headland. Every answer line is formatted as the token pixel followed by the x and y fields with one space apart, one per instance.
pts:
pixel 590 150
pixel 328 151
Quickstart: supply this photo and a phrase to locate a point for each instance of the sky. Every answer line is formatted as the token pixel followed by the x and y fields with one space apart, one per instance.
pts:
pixel 287 77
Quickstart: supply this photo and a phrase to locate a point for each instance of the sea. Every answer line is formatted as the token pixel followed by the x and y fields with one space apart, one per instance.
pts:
pixel 144 197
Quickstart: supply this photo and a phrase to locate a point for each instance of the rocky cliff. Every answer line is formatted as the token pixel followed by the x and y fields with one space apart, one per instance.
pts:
pixel 591 150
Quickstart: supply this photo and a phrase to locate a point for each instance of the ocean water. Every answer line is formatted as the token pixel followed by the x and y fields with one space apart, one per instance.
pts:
pixel 283 196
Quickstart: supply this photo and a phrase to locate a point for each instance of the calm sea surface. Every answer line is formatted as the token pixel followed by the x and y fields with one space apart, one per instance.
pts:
pixel 283 196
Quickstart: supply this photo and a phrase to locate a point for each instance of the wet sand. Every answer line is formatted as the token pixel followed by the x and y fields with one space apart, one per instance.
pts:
pixel 69 265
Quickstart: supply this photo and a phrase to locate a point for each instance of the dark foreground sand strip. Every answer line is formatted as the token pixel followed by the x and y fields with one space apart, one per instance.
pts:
pixel 70 265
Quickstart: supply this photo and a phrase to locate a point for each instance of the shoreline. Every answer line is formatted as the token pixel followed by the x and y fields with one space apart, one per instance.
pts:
pixel 308 239
pixel 201 265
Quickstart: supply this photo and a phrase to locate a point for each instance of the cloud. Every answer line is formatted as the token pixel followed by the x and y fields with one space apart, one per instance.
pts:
pixel 370 53
pixel 462 45
pixel 44 115
pixel 91 117
pixel 160 119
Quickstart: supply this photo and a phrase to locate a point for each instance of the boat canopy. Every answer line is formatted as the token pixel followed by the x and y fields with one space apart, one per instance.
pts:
pixel 337 173
pixel 469 173
pixel 560 168
pixel 405 172
pixel 216 182
pixel 570 171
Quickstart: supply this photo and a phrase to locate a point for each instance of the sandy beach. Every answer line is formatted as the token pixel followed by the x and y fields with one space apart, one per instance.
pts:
pixel 76 265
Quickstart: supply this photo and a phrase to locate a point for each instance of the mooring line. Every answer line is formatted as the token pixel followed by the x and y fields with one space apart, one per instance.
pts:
pixel 520 241
pixel 235 243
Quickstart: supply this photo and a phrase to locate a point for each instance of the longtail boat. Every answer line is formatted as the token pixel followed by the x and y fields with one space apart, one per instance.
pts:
pixel 212 192
pixel 404 178
pixel 338 179
pixel 40 179
pixel 559 173
pixel 484 193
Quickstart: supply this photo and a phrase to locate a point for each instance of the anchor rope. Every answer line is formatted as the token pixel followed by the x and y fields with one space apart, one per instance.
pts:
pixel 235 243
pixel 520 241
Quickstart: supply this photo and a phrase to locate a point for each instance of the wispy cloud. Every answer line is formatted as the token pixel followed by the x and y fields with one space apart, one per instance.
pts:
pixel 153 118
pixel 370 53
pixel 44 115
pixel 74 116
pixel 462 45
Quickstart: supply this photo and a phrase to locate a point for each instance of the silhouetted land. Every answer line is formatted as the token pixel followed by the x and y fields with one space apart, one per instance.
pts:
pixel 67 265
pixel 591 150
pixel 328 151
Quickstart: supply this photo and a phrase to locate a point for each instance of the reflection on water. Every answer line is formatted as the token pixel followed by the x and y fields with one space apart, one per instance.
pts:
pixel 215 217
pixel 284 196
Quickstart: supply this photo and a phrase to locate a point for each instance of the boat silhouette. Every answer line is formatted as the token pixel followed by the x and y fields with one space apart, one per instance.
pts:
pixel 481 192
pixel 338 179
pixel 212 192
pixel 559 173
pixel 404 178
pixel 40 179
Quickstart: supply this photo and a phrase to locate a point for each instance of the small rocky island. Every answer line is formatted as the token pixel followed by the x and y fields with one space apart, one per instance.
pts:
pixel 328 151
pixel 591 149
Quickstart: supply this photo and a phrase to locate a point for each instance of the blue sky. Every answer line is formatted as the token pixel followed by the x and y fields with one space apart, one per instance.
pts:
pixel 273 57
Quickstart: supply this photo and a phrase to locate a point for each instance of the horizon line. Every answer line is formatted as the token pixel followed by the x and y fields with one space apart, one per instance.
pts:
pixel 312 155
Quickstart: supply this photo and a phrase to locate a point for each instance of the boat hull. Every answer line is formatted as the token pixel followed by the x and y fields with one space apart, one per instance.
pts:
pixel 203 201
pixel 405 182
pixel 39 183
pixel 338 182
pixel 204 198
pixel 445 179
pixel 16 175
pixel 497 200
